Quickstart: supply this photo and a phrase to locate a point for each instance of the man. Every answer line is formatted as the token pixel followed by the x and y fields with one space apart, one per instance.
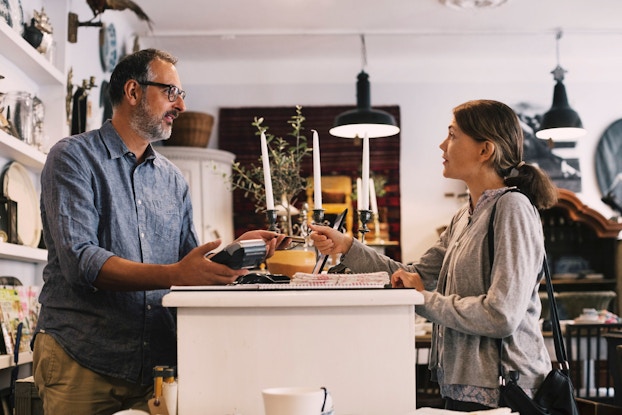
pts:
pixel 117 222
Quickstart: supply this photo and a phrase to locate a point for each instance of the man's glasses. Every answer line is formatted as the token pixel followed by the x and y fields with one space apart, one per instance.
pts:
pixel 172 90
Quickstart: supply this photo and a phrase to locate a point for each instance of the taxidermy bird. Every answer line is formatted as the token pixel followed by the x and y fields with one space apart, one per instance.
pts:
pixel 100 6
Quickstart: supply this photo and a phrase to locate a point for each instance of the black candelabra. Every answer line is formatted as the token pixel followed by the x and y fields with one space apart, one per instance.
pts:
pixel 272 217
pixel 318 216
pixel 364 217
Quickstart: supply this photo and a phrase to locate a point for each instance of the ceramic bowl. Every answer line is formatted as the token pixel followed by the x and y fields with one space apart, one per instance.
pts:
pixel 289 262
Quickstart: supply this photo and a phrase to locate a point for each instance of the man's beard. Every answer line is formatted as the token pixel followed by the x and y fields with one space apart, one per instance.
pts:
pixel 149 126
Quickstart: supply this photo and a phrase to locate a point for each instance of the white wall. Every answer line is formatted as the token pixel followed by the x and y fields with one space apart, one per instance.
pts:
pixel 84 55
pixel 426 89
pixel 425 114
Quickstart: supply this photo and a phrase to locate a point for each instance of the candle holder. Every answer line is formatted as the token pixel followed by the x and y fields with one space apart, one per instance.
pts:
pixel 364 217
pixel 318 216
pixel 377 227
pixel 272 217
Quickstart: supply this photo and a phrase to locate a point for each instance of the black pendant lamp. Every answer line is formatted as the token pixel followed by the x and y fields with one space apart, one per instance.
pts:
pixel 560 123
pixel 364 120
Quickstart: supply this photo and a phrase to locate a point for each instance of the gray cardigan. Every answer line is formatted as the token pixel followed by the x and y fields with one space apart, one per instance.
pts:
pixel 473 306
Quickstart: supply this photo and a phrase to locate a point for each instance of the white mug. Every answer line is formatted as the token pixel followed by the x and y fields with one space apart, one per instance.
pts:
pixel 297 400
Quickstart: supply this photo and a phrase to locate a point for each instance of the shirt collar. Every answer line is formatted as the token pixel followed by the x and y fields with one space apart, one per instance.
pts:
pixel 117 148
pixel 487 197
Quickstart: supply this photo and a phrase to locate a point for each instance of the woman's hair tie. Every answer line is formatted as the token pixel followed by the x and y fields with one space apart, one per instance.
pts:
pixel 519 165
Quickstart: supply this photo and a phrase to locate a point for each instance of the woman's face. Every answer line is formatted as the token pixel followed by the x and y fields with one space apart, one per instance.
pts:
pixel 461 154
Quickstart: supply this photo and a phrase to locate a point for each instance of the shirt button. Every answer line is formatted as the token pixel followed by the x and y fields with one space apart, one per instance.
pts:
pixel 140 202
pixel 142 234
pixel 148 306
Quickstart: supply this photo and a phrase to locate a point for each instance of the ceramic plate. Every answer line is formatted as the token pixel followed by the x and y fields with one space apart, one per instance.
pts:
pixel 17 15
pixel 108 47
pixel 17 186
pixel 5 12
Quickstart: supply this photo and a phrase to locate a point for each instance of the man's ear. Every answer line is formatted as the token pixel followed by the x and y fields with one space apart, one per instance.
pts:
pixel 131 90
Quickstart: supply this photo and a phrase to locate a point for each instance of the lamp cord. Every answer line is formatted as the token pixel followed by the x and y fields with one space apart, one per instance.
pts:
pixel 363 52
pixel 557 37
pixel 558 72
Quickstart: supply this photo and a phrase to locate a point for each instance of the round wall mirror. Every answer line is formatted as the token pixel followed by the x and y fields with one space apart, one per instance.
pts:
pixel 609 165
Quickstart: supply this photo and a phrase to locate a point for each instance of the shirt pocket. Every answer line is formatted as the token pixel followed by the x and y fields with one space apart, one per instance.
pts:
pixel 166 219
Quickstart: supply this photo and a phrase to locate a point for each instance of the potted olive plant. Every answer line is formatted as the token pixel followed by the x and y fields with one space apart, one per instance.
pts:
pixel 286 155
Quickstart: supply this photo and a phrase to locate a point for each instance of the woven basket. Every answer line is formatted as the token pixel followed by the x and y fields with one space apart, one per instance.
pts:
pixel 191 129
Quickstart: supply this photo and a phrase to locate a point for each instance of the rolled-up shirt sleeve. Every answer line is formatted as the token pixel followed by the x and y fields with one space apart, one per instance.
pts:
pixel 71 216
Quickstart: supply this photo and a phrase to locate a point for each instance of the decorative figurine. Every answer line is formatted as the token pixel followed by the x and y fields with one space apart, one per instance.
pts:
pixel 39 33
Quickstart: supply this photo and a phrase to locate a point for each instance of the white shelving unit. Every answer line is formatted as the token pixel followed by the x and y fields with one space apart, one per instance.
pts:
pixel 29 70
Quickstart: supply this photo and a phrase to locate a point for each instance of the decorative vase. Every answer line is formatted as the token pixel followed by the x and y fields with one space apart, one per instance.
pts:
pixel 32 34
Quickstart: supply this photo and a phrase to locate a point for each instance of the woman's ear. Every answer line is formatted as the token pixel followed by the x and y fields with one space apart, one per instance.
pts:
pixel 487 150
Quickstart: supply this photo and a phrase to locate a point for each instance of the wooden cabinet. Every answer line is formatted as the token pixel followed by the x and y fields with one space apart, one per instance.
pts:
pixel 207 172
pixel 573 229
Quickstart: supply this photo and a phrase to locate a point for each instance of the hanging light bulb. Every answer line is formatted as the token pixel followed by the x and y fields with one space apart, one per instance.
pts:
pixel 364 120
pixel 560 123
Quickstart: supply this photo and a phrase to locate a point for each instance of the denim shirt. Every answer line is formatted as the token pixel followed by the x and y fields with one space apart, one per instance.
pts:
pixel 98 202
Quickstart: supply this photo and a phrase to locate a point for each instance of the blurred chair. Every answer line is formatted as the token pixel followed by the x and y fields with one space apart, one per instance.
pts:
pixel 614 353
pixel 428 391
pixel 590 371
pixel 336 196
pixel 588 407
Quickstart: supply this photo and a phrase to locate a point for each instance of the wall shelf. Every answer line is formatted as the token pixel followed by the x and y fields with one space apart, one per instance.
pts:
pixel 23 253
pixel 6 360
pixel 27 59
pixel 17 150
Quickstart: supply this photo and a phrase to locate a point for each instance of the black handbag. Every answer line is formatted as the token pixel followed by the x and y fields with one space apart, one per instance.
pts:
pixel 555 396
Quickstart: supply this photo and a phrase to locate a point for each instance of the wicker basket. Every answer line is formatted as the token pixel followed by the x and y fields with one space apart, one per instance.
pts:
pixel 191 129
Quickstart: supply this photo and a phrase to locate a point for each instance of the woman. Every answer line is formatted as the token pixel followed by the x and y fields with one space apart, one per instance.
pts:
pixel 472 300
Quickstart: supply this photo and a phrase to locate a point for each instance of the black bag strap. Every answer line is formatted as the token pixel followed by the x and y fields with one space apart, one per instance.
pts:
pixel 560 349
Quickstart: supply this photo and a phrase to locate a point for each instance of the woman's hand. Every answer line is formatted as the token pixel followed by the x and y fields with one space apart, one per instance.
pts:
pixel 405 279
pixel 330 241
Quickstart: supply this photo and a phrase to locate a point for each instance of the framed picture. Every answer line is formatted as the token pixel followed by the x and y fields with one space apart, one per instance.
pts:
pixel 565 172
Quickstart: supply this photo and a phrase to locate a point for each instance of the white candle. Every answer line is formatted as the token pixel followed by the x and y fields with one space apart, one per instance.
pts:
pixel 359 199
pixel 372 196
pixel 365 174
pixel 266 173
pixel 317 173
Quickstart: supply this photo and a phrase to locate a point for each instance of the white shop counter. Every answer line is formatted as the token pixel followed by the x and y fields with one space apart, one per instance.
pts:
pixel 359 343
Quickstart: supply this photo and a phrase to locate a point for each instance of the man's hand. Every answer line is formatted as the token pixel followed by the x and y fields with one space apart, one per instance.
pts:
pixel 196 269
